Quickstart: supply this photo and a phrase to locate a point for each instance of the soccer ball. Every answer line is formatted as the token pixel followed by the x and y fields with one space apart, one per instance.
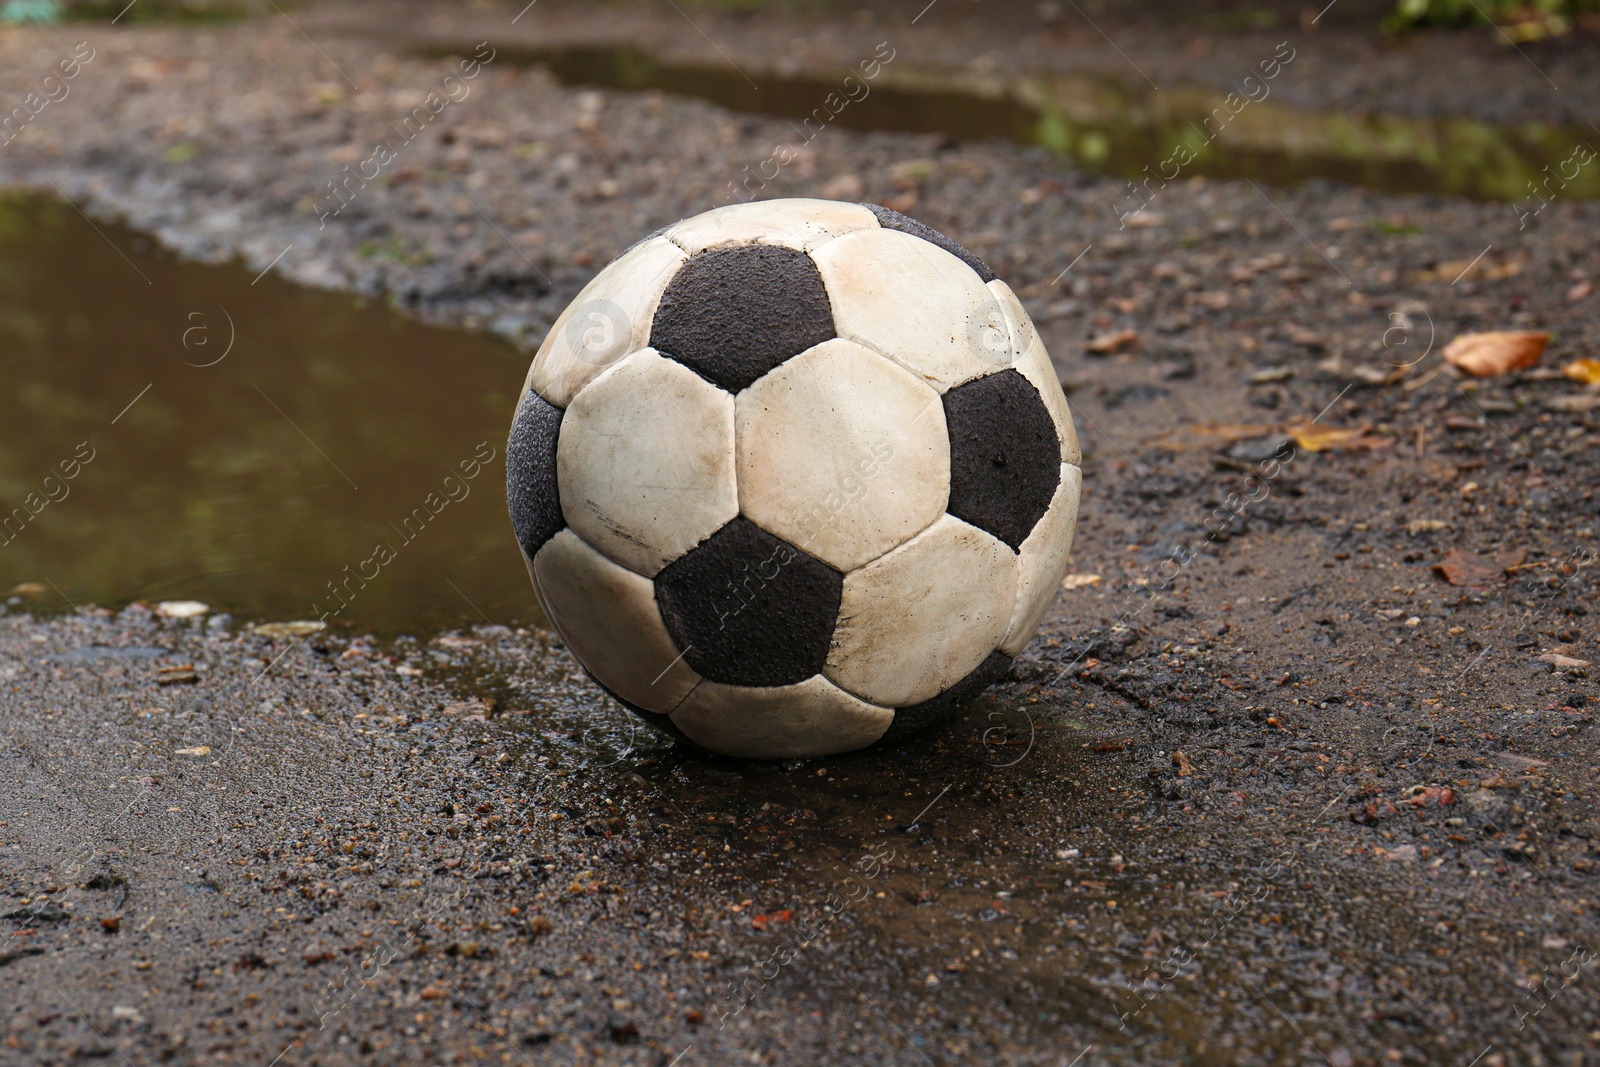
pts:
pixel 794 477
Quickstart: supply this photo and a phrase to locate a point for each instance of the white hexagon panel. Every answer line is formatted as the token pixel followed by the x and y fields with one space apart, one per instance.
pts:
pixel 809 718
pixel 798 224
pixel 607 615
pixel 877 467
pixel 919 619
pixel 645 462
pixel 609 319
pixel 958 331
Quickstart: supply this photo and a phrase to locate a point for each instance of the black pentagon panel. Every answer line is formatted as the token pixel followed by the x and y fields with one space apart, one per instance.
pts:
pixel 748 608
pixel 942 708
pixel 732 314
pixel 890 219
pixel 1005 460
pixel 531 491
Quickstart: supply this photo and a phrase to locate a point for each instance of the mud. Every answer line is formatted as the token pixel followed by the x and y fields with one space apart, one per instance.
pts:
pixel 1267 789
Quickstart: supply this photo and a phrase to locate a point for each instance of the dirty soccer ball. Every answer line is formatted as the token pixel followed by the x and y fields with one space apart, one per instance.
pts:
pixel 794 476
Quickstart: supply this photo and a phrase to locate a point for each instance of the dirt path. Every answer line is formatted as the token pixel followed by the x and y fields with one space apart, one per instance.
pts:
pixel 1271 790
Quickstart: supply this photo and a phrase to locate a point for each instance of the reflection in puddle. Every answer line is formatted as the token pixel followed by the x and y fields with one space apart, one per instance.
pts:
pixel 1109 127
pixel 266 449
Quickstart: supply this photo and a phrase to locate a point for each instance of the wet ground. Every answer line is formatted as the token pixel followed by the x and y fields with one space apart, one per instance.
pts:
pixel 1301 770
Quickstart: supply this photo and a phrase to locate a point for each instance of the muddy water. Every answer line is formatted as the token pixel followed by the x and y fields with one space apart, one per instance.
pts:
pixel 1107 126
pixel 186 433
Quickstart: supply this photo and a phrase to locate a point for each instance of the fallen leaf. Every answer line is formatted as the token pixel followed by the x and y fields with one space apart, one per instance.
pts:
pixel 761 922
pixel 286 629
pixel 1559 660
pixel 1180 761
pixel 1314 438
pixel 1205 435
pixel 1456 269
pixel 198 750
pixel 1107 343
pixel 1483 355
pixel 1586 371
pixel 1527 762
pixel 1573 405
pixel 1368 375
pixel 1302 336
pixel 1478 571
pixel 1580 291
pixel 1079 581
pixel 1422 526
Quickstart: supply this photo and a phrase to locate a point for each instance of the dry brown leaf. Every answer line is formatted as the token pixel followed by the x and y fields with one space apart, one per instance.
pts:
pixel 1180 761
pixel 1205 435
pixel 1483 355
pixel 1575 404
pixel 1079 581
pixel 1314 438
pixel 1558 660
pixel 286 629
pixel 1482 268
pixel 1108 343
pixel 1478 571
pixel 1586 371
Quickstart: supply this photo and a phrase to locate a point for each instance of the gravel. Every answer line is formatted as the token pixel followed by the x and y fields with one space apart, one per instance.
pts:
pixel 1270 791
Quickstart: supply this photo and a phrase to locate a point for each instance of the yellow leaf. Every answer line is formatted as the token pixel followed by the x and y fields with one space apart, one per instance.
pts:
pixel 1314 438
pixel 1205 435
pixel 1586 371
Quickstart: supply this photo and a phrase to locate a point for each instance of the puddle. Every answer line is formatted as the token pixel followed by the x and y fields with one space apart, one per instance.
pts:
pixel 321 460
pixel 1108 127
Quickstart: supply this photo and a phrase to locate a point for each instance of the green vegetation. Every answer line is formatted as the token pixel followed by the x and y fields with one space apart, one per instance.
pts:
pixel 1520 20
pixel 183 12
